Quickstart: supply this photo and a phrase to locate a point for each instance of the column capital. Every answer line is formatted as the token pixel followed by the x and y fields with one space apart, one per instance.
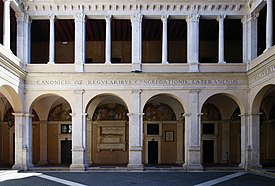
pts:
pixel 20 16
pixel 136 18
pixel 108 18
pixel 194 91
pixel 195 17
pixel 79 17
pixel 221 17
pixel 6 1
pixel 51 17
pixel 164 17
pixel 268 1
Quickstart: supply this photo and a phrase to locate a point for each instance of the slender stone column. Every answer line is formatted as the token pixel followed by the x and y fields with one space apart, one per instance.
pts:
pixel 221 38
pixel 43 143
pixel 225 141
pixel 193 42
pixel 27 40
pixel 136 21
pixel 245 37
pixel 193 136
pixel 254 139
pixel 135 131
pixel 79 42
pixel 164 19
pixel 29 139
pixel 269 24
pixel 78 134
pixel 52 40
pixel 108 49
pixel 6 24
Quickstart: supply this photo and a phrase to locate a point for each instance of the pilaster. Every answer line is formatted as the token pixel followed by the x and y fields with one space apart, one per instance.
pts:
pixel 225 141
pixel 20 18
pixel 136 21
pixel 193 136
pixel 164 19
pixel 193 42
pixel 180 140
pixel 135 131
pixel 43 143
pixel 79 42
pixel 78 134
pixel 108 40
pixel 245 147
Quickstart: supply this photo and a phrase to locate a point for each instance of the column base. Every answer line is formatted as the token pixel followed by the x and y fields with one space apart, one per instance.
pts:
pixel 51 63
pixel 165 62
pixel 194 67
pixel 136 167
pixel 194 167
pixel 78 167
pixel 79 67
pixel 108 63
pixel 180 162
pixel 136 67
pixel 43 162
pixel 221 62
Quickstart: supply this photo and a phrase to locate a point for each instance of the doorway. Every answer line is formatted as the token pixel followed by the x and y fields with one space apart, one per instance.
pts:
pixel 153 152
pixel 208 151
pixel 66 151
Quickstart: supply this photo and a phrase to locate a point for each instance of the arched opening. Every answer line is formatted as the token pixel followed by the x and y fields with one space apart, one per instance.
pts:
pixel 52 131
pixel 7 134
pixel 163 129
pixel 267 126
pixel 107 131
pixel 220 131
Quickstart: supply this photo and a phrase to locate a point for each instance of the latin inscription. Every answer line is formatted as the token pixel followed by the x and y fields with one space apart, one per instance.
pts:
pixel 265 72
pixel 140 82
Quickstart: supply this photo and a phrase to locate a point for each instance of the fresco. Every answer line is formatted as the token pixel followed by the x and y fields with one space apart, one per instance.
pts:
pixel 158 112
pixel 60 112
pixel 110 111
pixel 210 113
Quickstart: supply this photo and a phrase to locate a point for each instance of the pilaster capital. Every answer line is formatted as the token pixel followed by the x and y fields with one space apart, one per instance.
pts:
pixel 194 17
pixel 194 91
pixel 268 1
pixel 221 17
pixel 137 91
pixel 164 17
pixel 80 17
pixel 108 18
pixel 78 92
pixel 20 16
pixel 136 18
pixel 6 1
pixel 18 114
pixel 135 114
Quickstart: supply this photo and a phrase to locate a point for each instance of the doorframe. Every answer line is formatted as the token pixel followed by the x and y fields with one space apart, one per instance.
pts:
pixel 152 138
pixel 62 137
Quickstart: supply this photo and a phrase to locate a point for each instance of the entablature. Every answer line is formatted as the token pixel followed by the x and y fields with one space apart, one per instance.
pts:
pixel 38 8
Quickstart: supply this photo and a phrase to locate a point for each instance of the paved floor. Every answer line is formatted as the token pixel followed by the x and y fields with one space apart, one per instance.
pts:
pixel 133 178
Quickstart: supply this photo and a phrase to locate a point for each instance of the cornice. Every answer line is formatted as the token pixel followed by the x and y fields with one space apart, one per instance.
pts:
pixel 40 7
pixel 11 63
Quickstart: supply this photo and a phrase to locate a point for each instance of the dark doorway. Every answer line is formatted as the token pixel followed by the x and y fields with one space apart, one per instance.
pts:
pixel 152 152
pixel 208 151
pixel 66 151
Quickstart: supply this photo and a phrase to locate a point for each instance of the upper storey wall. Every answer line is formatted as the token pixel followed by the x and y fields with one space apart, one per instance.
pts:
pixel 123 8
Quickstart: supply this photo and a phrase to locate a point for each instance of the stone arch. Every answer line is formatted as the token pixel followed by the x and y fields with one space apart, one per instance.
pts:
pixel 107 130
pixel 178 107
pixel 12 97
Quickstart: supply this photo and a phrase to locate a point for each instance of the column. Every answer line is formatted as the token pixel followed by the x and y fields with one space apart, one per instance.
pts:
pixel 180 126
pixel 23 142
pixel 79 42
pixel 108 52
pixel 193 133
pixel 193 42
pixel 269 25
pixel 20 18
pixel 254 139
pixel 43 143
pixel 52 40
pixel 27 40
pixel 136 21
pixel 135 131
pixel 6 24
pixel 164 19
pixel 221 38
pixel 78 134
